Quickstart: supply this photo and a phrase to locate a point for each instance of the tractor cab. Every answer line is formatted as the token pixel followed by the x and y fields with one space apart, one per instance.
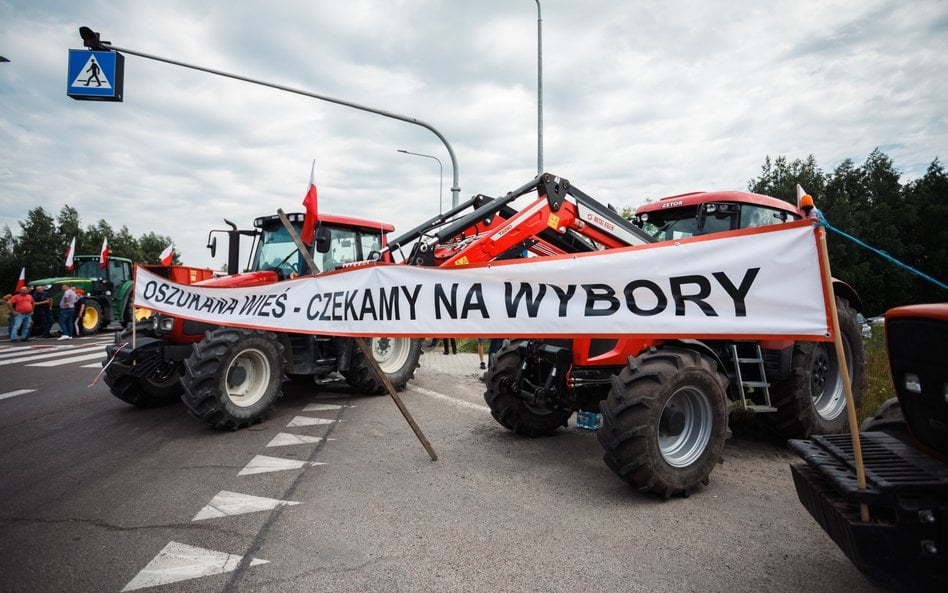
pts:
pixel 705 213
pixel 338 241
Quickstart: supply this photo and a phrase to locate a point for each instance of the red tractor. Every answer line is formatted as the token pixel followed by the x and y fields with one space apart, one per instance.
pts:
pixel 231 377
pixel 665 403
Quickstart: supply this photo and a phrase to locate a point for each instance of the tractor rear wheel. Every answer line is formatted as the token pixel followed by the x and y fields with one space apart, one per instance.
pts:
pixel 91 319
pixel 665 421
pixel 233 377
pixel 506 405
pixel 397 357
pixel 813 400
pixel 161 388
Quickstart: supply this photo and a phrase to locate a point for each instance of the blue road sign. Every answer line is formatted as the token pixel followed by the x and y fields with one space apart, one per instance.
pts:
pixel 95 75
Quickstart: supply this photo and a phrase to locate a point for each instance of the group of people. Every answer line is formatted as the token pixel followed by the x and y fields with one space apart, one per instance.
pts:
pixel 25 305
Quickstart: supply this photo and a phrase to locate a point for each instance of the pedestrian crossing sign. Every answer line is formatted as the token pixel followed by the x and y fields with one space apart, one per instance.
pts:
pixel 95 75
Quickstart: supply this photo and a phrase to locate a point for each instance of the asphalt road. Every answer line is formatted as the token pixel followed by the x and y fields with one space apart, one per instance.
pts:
pixel 100 497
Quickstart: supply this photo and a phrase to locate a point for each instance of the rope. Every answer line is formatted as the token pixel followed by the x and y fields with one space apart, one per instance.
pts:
pixel 108 364
pixel 885 255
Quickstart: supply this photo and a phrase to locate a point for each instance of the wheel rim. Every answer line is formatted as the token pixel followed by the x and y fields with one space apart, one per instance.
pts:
pixel 90 319
pixel 248 377
pixel 826 384
pixel 391 353
pixel 685 427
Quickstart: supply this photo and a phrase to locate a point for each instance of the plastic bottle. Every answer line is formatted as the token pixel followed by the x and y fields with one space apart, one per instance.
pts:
pixel 588 420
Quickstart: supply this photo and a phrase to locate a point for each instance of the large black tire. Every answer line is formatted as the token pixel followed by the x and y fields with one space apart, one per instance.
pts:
pixel 813 400
pixel 233 377
pixel 91 319
pixel 507 407
pixel 161 388
pixel 665 421
pixel 398 358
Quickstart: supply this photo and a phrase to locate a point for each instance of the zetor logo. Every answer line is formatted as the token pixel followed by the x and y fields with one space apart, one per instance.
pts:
pixel 673 204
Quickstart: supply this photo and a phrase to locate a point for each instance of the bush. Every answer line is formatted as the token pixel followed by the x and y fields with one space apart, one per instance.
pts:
pixel 878 378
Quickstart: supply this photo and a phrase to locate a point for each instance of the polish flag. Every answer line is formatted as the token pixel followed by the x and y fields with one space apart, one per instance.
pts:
pixel 104 255
pixel 22 281
pixel 70 253
pixel 309 221
pixel 167 255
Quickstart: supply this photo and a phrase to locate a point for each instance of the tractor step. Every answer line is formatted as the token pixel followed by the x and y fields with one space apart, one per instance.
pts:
pixel 761 409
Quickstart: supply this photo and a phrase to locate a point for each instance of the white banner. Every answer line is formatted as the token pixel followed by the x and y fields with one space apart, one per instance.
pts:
pixel 757 283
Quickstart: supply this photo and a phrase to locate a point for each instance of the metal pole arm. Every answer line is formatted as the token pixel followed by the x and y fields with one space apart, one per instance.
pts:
pixel 91 40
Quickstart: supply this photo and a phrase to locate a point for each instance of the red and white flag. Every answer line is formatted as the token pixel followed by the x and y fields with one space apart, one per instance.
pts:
pixel 167 255
pixel 309 221
pixel 70 253
pixel 104 255
pixel 22 281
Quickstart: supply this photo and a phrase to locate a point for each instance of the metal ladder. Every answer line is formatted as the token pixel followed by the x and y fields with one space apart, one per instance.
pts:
pixel 756 357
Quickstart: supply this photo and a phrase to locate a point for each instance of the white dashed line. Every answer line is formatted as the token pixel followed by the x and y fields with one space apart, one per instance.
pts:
pixel 451 400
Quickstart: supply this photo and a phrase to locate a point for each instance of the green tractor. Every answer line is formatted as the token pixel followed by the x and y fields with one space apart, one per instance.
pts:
pixel 108 291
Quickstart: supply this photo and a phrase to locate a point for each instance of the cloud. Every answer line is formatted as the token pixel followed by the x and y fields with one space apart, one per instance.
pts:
pixel 640 100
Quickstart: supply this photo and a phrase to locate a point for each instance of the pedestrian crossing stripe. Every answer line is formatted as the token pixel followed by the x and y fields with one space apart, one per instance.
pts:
pixel 180 562
pixel 226 504
pixel 262 464
pixel 91 70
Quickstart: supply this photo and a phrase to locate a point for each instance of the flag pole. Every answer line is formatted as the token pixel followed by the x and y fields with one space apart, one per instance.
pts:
pixel 843 370
pixel 360 342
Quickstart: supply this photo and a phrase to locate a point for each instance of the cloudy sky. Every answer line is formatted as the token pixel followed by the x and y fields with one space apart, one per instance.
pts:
pixel 640 100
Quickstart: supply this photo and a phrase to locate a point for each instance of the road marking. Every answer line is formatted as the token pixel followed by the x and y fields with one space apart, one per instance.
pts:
pixel 226 504
pixel 308 421
pixel 181 562
pixel 70 360
pixel 452 400
pixel 16 393
pixel 285 438
pixel 25 357
pixel 322 407
pixel 262 464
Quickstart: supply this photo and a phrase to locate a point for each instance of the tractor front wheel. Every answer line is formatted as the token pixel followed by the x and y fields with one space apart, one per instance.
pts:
pixel 397 357
pixel 161 387
pixel 233 377
pixel 504 400
pixel 91 319
pixel 665 421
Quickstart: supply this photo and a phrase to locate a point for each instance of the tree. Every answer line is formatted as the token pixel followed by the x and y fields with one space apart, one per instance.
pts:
pixel 924 216
pixel 780 178
pixel 32 249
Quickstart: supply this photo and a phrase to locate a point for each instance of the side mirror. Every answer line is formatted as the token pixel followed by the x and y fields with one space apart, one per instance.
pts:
pixel 323 238
pixel 702 215
pixel 213 246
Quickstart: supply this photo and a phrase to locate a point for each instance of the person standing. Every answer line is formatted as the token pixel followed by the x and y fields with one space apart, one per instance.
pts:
pixel 41 309
pixel 21 305
pixel 450 342
pixel 67 311
pixel 481 342
pixel 78 310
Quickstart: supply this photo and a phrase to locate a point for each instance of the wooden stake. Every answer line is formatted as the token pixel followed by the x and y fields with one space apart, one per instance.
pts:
pixel 844 372
pixel 391 391
pixel 373 364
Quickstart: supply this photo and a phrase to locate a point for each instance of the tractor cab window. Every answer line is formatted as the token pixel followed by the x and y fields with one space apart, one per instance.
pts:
pixel 88 268
pixel 276 251
pixel 119 272
pixel 349 245
pixel 754 216
pixel 681 223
